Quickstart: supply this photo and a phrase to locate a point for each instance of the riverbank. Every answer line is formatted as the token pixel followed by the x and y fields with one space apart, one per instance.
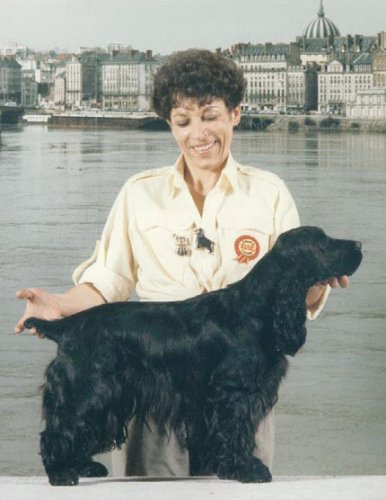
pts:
pixel 97 119
pixel 260 122
pixel 294 488
pixel 304 123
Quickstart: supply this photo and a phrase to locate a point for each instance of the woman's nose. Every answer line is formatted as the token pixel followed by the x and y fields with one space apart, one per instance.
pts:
pixel 199 129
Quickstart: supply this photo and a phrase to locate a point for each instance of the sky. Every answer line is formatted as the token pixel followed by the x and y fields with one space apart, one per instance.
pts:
pixel 168 25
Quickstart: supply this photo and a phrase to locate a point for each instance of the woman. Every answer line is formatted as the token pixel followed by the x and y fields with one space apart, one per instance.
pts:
pixel 182 230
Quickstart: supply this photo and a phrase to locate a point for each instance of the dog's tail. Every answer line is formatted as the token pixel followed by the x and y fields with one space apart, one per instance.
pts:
pixel 50 329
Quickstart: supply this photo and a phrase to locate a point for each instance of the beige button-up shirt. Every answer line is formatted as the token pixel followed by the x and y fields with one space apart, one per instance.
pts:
pixel 151 241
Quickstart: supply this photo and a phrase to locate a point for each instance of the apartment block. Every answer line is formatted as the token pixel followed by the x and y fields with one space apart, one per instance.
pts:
pixel 127 81
pixel 10 80
pixel 339 83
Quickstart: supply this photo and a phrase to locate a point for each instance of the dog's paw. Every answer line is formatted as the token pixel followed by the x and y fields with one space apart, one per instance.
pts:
pixel 255 472
pixel 93 469
pixel 67 477
pixel 250 471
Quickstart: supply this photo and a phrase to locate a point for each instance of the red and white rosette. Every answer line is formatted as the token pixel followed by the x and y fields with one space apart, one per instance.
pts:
pixel 247 248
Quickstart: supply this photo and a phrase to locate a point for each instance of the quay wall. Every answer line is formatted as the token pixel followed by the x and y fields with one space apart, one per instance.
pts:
pixel 127 122
pixel 259 122
pixel 301 123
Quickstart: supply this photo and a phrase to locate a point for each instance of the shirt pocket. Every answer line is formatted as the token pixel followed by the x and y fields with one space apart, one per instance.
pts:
pixel 164 241
pixel 244 237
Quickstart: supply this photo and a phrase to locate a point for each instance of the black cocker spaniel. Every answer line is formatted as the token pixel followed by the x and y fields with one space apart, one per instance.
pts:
pixel 208 367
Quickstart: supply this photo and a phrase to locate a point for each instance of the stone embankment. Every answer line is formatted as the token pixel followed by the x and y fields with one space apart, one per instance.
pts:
pixel 267 122
pixel 304 123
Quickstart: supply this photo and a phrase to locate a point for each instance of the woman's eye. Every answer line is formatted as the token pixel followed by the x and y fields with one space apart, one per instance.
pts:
pixel 182 124
pixel 210 118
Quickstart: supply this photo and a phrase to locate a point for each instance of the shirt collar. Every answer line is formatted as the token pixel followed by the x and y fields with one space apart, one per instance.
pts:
pixel 228 179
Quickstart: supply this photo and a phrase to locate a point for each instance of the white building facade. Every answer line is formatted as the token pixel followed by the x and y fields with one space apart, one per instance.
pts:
pixel 265 72
pixel 369 104
pixel 339 83
pixel 127 82
pixel 60 90
pixel 74 84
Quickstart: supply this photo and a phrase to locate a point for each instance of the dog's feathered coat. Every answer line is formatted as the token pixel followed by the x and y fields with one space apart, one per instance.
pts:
pixel 209 367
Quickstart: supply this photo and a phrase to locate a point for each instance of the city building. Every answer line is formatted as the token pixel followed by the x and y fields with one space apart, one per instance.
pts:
pixel 302 84
pixel 127 81
pixel 369 104
pixel 12 50
pixel 339 83
pixel 83 80
pixel 10 80
pixel 115 47
pixel 265 69
pixel 321 27
pixel 29 91
pixel 74 83
pixel 379 61
pixel 59 96
pixel 321 70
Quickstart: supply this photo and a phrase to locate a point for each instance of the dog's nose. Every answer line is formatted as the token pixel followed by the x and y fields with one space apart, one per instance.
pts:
pixel 358 245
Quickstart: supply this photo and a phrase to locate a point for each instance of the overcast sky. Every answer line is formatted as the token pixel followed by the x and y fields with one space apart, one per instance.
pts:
pixel 168 25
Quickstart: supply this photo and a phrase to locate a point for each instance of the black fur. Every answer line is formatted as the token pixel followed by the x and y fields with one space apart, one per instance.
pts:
pixel 208 367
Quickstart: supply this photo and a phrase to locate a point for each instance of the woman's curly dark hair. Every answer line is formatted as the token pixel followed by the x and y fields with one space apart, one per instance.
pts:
pixel 200 74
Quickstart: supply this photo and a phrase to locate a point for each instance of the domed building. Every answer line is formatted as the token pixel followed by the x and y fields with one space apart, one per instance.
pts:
pixel 321 27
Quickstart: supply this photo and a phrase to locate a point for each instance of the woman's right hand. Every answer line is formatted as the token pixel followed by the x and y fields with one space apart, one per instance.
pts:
pixel 45 305
pixel 40 304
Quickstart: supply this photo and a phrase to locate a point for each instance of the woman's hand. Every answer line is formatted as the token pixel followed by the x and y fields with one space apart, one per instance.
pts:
pixel 315 292
pixel 40 304
pixel 340 281
pixel 45 305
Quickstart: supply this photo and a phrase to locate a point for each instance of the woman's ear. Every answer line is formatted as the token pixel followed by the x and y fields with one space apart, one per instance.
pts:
pixel 236 115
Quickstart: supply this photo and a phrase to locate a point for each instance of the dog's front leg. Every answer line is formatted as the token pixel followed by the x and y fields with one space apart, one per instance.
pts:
pixel 55 449
pixel 64 458
pixel 235 408
pixel 73 434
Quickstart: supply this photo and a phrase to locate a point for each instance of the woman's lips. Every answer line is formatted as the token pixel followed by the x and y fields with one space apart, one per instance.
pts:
pixel 204 147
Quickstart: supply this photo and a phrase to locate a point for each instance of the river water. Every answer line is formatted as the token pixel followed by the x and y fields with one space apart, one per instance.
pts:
pixel 56 187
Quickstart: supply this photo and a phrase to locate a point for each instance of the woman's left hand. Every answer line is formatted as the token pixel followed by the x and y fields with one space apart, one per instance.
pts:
pixel 316 291
pixel 340 281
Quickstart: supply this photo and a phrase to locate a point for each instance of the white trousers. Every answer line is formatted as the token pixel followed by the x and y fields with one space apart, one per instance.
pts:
pixel 147 453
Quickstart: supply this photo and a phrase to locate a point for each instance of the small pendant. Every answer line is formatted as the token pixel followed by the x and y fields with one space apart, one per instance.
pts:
pixel 182 245
pixel 203 242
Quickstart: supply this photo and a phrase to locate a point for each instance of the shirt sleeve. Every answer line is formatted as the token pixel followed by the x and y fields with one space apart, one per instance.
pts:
pixel 286 214
pixel 112 268
pixel 286 218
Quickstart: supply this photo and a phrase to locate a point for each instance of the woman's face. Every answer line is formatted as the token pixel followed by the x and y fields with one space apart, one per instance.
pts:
pixel 204 133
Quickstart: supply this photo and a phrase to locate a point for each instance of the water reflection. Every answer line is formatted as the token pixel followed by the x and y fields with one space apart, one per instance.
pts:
pixel 56 187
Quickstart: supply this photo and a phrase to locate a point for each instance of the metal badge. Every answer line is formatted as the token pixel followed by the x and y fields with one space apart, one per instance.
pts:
pixel 203 242
pixel 183 247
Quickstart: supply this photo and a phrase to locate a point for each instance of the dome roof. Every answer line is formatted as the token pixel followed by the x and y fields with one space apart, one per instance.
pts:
pixel 321 27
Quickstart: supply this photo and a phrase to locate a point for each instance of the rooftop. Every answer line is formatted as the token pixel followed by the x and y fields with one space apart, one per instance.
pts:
pixel 321 27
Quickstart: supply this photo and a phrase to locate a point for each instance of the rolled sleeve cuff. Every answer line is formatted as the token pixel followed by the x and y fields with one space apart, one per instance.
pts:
pixel 314 311
pixel 110 284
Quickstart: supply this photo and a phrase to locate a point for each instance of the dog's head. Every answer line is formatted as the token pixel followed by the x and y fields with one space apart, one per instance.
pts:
pixel 319 257
pixel 307 256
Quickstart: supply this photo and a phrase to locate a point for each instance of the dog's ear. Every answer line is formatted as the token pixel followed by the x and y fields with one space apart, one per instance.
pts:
pixel 289 316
